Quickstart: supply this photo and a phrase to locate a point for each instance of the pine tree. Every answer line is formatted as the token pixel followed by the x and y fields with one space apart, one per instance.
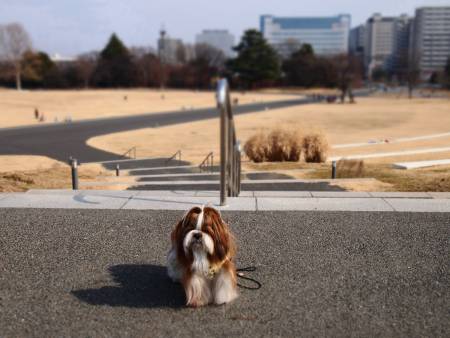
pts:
pixel 115 67
pixel 257 62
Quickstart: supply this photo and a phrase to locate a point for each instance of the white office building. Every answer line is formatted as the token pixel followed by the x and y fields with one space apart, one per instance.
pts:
pixel 386 43
pixel 327 35
pixel 430 41
pixel 217 38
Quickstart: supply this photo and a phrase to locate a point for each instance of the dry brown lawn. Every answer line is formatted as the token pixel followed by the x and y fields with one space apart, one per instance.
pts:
pixel 374 118
pixel 384 177
pixel 20 173
pixel 369 119
pixel 17 108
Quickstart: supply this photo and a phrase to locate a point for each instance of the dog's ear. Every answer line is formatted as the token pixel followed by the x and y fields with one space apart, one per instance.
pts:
pixel 181 228
pixel 223 240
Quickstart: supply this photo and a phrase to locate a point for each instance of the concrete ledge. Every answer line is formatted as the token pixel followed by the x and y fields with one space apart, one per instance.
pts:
pixel 185 203
pixel 248 201
pixel 395 194
pixel 324 204
pixel 302 194
pixel 439 194
pixel 340 194
pixel 64 201
pixel 420 164
pixel 418 205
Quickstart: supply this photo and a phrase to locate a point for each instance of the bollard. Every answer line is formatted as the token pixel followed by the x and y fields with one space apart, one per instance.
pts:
pixel 117 170
pixel 74 165
pixel 333 169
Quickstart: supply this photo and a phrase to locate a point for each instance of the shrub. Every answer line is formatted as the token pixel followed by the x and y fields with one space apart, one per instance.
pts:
pixel 315 147
pixel 277 145
pixel 349 168
pixel 283 145
pixel 256 147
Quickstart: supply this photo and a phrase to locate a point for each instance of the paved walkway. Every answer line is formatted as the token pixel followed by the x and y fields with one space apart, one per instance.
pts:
pixel 248 200
pixel 390 141
pixel 61 140
pixel 391 154
pixel 101 273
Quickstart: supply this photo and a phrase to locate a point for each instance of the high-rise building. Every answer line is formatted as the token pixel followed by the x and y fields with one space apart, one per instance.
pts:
pixel 217 38
pixel 357 39
pixel 430 40
pixel 170 50
pixel 386 43
pixel 327 35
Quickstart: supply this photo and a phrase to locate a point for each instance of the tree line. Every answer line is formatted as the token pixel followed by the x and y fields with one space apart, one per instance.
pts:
pixel 255 65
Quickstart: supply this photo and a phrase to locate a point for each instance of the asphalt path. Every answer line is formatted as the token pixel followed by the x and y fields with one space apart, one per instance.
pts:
pixel 62 140
pixel 102 273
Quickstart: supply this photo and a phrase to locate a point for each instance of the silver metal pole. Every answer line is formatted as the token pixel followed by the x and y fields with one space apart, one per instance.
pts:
pixel 333 169
pixel 223 158
pixel 222 88
pixel 74 166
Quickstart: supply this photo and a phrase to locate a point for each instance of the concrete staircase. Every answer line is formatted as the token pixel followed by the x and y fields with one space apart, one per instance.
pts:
pixel 157 174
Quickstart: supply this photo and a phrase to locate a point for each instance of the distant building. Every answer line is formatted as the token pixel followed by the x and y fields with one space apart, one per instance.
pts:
pixel 58 58
pixel 357 39
pixel 386 43
pixel 327 35
pixel 430 40
pixel 170 51
pixel 218 38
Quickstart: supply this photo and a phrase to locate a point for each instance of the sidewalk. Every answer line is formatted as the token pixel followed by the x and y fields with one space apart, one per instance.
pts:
pixel 248 200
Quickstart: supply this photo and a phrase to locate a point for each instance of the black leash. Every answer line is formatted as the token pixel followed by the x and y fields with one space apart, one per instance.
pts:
pixel 240 274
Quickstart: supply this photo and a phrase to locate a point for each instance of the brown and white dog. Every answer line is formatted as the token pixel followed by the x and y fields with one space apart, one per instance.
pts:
pixel 201 257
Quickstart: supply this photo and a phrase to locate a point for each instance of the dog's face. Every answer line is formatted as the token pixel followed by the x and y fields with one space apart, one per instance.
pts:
pixel 202 232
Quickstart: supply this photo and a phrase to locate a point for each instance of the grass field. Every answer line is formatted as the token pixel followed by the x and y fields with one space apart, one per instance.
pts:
pixel 381 118
pixel 370 119
pixel 17 108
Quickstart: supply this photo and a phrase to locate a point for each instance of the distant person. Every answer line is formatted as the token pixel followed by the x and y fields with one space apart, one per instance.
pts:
pixel 125 98
pixel 36 113
pixel 346 90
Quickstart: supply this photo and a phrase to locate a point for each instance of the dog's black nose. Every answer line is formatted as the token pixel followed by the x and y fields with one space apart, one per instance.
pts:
pixel 197 235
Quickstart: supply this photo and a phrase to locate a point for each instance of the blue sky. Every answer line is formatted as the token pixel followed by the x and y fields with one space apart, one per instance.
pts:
pixel 70 27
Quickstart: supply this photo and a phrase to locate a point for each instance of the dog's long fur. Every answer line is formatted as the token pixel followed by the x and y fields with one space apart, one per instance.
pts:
pixel 201 257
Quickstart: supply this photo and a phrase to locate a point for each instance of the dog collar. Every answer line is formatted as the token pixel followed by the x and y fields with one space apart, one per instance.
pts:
pixel 213 269
pixel 212 272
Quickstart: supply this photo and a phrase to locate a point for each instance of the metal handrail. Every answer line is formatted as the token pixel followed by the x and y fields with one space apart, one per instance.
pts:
pixel 178 153
pixel 208 162
pixel 230 149
pixel 130 151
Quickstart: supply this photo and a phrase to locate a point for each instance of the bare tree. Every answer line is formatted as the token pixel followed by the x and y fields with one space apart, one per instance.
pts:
pixel 348 72
pixel 213 56
pixel 14 41
pixel 86 64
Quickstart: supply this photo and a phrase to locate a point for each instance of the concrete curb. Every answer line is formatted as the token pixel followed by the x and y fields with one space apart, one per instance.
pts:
pixel 248 201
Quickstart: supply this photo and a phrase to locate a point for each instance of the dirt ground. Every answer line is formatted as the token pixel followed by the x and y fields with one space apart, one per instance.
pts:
pixel 17 107
pixel 21 173
pixel 370 119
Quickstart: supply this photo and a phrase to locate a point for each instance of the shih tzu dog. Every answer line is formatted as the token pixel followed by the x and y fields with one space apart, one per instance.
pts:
pixel 201 258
